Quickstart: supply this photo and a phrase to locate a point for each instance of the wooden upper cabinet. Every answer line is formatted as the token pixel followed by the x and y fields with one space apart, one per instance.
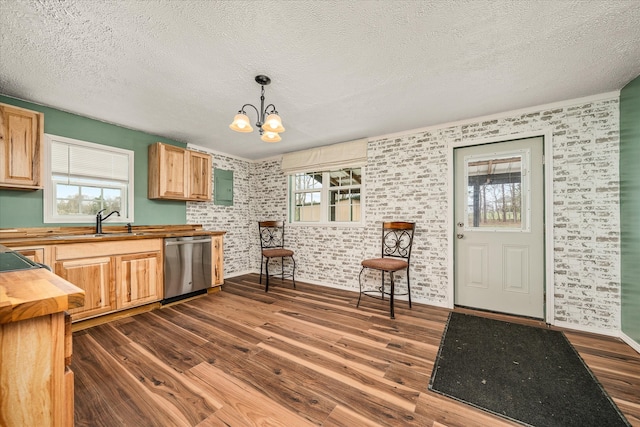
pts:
pixel 176 173
pixel 21 139
pixel 167 172
pixel 199 176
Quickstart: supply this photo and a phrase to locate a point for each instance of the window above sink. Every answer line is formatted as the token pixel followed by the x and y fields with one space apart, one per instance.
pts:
pixel 82 178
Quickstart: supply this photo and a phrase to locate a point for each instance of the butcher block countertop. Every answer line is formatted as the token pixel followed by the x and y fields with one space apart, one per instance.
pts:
pixel 12 237
pixel 25 294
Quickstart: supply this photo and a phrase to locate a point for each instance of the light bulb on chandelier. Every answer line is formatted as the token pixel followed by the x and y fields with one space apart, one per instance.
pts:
pixel 269 121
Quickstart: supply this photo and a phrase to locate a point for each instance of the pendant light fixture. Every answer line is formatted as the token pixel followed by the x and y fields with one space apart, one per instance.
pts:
pixel 268 122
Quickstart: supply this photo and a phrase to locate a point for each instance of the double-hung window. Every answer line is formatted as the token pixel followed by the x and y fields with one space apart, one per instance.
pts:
pixel 84 178
pixel 326 184
pixel 326 197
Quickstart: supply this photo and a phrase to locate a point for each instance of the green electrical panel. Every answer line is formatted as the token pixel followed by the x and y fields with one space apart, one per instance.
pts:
pixel 222 187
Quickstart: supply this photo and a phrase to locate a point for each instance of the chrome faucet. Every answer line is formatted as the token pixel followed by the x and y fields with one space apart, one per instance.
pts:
pixel 100 218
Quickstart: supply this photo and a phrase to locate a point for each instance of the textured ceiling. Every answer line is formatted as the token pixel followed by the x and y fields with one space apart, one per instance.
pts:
pixel 340 70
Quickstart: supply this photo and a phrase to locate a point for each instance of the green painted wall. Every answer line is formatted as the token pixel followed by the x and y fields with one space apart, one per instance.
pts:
pixel 630 207
pixel 25 208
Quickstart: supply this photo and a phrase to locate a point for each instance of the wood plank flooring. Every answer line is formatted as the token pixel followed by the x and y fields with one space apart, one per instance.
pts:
pixel 304 357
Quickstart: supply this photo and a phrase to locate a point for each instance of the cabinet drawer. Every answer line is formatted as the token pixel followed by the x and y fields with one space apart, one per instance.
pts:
pixel 97 249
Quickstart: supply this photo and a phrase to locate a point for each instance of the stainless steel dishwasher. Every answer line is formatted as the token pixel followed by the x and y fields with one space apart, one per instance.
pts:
pixel 187 267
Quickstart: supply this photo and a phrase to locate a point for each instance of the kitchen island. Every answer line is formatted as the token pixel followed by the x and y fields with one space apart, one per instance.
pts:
pixel 36 384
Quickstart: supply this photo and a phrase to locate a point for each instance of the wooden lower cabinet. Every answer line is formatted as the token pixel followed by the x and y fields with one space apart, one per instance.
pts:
pixel 114 275
pixel 35 379
pixel 217 262
pixel 96 277
pixel 139 278
pixel 39 254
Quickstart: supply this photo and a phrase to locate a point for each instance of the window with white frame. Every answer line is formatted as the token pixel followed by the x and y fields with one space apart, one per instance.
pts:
pixel 326 197
pixel 84 178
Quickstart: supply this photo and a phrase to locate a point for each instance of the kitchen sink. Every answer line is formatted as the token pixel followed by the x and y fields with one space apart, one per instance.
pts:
pixel 117 234
pixel 95 236
pixel 78 236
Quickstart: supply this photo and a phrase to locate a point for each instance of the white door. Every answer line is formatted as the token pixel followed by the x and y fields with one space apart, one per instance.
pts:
pixel 499 215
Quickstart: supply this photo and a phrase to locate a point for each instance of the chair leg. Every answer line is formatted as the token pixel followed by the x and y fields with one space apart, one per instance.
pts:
pixel 391 295
pixel 282 268
pixel 409 287
pixel 261 262
pixel 382 287
pixel 266 266
pixel 360 282
pixel 293 273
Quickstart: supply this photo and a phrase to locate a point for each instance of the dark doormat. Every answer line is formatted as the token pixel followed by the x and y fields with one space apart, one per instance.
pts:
pixel 530 375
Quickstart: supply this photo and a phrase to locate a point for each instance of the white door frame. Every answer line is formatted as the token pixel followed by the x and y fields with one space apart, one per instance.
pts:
pixel 549 286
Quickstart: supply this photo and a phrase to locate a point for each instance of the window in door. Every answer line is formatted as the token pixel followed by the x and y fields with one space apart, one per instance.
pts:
pixel 497 192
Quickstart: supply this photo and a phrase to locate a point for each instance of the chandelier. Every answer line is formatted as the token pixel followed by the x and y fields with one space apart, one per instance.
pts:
pixel 268 122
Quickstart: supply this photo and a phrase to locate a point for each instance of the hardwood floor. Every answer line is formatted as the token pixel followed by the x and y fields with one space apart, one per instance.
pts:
pixel 243 357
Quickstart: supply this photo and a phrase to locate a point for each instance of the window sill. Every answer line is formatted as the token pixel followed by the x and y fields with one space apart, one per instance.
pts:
pixel 328 224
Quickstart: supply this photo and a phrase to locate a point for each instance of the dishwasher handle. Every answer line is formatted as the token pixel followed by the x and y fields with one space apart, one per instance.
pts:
pixel 168 242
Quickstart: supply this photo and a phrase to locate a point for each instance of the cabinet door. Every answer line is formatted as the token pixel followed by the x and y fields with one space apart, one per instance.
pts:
pixel 199 176
pixel 96 277
pixel 21 136
pixel 139 279
pixel 173 172
pixel 217 260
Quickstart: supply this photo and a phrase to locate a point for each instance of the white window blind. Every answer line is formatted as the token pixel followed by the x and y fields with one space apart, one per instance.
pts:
pixel 79 161
pixel 330 157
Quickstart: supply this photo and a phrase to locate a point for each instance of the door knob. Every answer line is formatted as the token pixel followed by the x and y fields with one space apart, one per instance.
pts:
pixel 459 235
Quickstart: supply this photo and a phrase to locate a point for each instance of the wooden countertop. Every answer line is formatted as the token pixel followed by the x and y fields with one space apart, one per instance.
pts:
pixel 26 294
pixel 61 235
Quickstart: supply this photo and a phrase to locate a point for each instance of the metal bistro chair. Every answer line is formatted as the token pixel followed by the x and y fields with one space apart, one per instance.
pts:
pixel 272 246
pixel 397 239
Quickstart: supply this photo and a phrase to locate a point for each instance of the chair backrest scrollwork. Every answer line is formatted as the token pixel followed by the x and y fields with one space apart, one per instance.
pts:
pixel 271 234
pixel 397 239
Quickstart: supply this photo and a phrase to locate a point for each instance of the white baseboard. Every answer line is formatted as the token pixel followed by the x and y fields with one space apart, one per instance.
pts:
pixel 565 325
pixel 608 332
pixel 239 273
pixel 441 304
pixel 344 288
pixel 633 344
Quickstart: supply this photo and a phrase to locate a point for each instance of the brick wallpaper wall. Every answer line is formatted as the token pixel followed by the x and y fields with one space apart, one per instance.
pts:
pixel 586 217
pixel 235 220
pixel 268 202
pixel 406 179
